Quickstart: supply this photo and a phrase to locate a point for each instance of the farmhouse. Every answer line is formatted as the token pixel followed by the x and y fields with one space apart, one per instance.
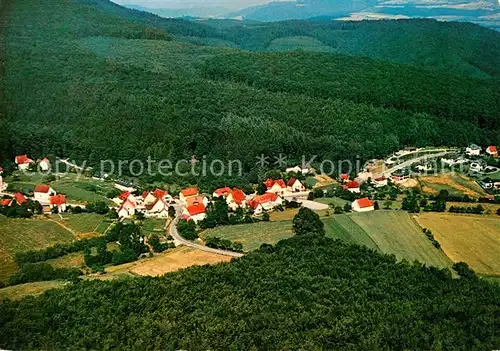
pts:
pixel 127 209
pixel 45 164
pixel 492 151
pixel 234 197
pixel 265 202
pixel 362 205
pixel 195 212
pixel 187 193
pixel 352 186
pixel 380 182
pixel 23 162
pixel 275 186
pixel 294 185
pixel 473 150
pixel 58 201
pixel 42 193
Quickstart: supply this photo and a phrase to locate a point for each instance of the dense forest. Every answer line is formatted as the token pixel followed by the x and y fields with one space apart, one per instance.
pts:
pixel 86 91
pixel 307 292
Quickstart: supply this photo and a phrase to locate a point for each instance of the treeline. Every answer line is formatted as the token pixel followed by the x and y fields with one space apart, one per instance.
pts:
pixel 224 244
pixel 34 272
pixel 378 303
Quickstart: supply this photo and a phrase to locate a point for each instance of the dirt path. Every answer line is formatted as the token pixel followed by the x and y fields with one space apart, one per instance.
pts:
pixel 75 234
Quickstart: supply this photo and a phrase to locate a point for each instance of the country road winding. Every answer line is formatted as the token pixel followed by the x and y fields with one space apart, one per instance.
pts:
pixel 173 231
pixel 414 160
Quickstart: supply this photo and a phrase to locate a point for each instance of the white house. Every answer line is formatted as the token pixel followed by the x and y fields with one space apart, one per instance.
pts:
pixel 195 212
pixel 298 169
pixel 127 209
pixel 295 185
pixel 265 202
pixel 492 151
pixel 476 167
pixel 352 186
pixel 424 168
pixel 275 186
pixel 362 205
pixel 23 162
pixel 473 150
pixel 380 182
pixel 42 193
pixel 45 165
pixel 157 209
pixel 3 185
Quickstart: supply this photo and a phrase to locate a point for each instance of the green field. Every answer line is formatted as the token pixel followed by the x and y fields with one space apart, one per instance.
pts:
pixel 253 235
pixel 17 292
pixel 395 232
pixel 336 201
pixel 83 223
pixel 153 226
pixel 17 235
pixel 392 232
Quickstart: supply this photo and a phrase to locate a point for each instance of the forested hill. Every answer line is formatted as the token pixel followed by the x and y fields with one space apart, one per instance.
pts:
pixel 306 293
pixel 97 81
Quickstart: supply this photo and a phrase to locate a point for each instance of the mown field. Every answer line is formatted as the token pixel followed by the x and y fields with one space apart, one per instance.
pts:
pixel 17 292
pixel 455 184
pixel 17 235
pixel 469 238
pixel 392 232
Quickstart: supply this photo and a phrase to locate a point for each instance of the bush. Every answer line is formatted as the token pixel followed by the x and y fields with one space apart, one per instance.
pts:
pixel 223 244
pixel 187 229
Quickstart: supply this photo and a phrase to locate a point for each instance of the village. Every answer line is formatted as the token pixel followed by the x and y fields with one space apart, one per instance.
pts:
pixel 468 178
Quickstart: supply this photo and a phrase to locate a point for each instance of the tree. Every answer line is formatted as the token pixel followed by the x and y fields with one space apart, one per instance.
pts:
pixel 464 271
pixel 99 207
pixel 347 207
pixel 376 205
pixel 306 221
pixel 338 210
pixel 387 205
pixel 171 211
pixel 498 211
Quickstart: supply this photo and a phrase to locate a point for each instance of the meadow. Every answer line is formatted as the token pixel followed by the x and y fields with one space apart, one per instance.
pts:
pixel 472 239
pixel 83 224
pixel 455 184
pixel 18 235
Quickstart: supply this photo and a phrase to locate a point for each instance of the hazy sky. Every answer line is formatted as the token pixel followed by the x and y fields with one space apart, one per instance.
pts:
pixel 230 4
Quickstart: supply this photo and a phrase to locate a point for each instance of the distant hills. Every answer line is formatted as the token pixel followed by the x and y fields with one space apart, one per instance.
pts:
pixel 483 12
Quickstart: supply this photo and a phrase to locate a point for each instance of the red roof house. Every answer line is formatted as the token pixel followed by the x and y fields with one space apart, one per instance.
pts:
pixel 225 191
pixel 189 192
pixel 58 200
pixel 5 202
pixel 363 205
pixel 344 177
pixel 492 151
pixel 20 198
pixel 159 194
pixel 124 196
pixel 238 196
pixel 23 159
pixel 196 209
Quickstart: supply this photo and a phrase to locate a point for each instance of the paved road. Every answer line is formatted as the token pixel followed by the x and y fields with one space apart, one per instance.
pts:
pixel 180 239
pixel 408 163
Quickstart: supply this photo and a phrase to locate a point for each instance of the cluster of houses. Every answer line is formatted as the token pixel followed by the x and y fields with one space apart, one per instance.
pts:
pixel 45 195
pixel 23 162
pixel 153 204
pixel 476 150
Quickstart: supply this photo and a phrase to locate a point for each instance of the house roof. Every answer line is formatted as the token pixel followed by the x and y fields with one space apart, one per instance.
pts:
pixel 364 202
pixel 196 209
pixel 262 199
pixel 194 200
pixel 238 195
pixel 124 196
pixel 5 202
pixel 380 179
pixel 474 147
pixel 42 188
pixel 492 149
pixel 189 191
pixel 145 194
pixel 127 204
pixel 57 200
pixel 223 191
pixel 291 181
pixel 20 198
pixel 344 176
pixel 352 184
pixel 22 159
pixel 159 193
pixel 45 159
pixel 270 182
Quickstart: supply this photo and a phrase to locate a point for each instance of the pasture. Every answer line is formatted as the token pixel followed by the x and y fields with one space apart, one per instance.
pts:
pixel 83 224
pixel 472 239
pixel 17 292
pixel 18 235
